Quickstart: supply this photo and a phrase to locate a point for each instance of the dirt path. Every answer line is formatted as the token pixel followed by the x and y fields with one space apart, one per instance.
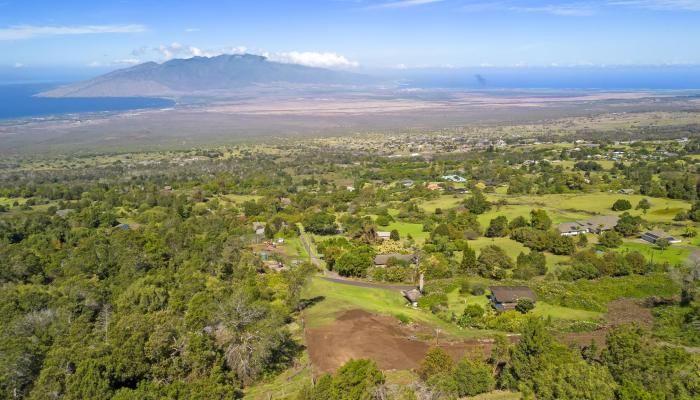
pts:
pixel 359 334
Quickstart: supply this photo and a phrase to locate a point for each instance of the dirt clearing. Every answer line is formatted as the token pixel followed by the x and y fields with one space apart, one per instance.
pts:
pixel 359 334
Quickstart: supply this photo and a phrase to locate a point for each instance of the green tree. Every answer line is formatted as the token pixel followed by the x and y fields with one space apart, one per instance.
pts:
pixel 356 380
pixel 524 305
pixel 621 205
pixel 477 203
pixel 468 265
pixel 540 220
pixel 473 377
pixel 436 362
pixel 394 235
pixel 644 205
pixel 498 227
pixel 610 239
pixel 662 243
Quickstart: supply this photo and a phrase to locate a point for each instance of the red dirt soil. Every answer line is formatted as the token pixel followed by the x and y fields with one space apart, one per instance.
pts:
pixel 620 312
pixel 359 334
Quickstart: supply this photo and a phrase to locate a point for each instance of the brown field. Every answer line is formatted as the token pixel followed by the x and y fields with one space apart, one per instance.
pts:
pixel 359 334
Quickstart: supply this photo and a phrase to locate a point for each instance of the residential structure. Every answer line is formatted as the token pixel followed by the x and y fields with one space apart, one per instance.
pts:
pixel 653 236
pixel 506 297
pixel 381 260
pixel 384 235
pixel 596 224
pixel 454 178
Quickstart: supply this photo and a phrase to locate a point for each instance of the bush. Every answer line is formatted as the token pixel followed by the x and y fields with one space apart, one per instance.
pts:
pixel 610 239
pixel 473 377
pixel 621 205
pixel 524 306
pixel 433 302
pixel 403 318
pixel 436 362
pixel 478 289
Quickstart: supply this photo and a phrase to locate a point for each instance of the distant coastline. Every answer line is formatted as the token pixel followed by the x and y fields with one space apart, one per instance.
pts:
pixel 19 103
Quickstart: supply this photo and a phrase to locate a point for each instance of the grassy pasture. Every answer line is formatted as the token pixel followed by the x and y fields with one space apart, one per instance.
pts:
pixel 675 254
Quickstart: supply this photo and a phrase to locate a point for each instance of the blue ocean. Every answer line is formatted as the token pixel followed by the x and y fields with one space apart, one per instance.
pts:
pixel 17 101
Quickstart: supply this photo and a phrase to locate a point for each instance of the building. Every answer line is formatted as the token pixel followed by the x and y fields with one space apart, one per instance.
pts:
pixel 434 186
pixel 596 224
pixel 381 260
pixel 384 235
pixel 653 236
pixel 407 183
pixel 454 178
pixel 505 298
pixel 626 191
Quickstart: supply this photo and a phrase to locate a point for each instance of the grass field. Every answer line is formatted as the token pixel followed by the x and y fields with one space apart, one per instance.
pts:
pixel 675 254
pixel 405 228
pixel 457 303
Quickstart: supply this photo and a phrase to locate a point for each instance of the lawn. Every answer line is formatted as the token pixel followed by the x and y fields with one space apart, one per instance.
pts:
pixel 675 254
pixel 295 249
pixel 457 302
pixel 575 205
pixel 339 297
pixel 513 248
pixel 444 202
pixel 405 228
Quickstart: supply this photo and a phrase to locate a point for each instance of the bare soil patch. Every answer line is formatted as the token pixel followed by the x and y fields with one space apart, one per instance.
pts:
pixel 359 334
pixel 620 312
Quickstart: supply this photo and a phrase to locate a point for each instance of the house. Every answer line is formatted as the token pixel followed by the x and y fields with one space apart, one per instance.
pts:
pixel 653 236
pixel 407 183
pixel 259 228
pixel 350 188
pixel 571 229
pixel 285 201
pixel 381 260
pixel 626 191
pixel 64 212
pixel 124 227
pixel 600 223
pixel 454 178
pixel 434 186
pixel 506 297
pixel 384 235
pixel 596 224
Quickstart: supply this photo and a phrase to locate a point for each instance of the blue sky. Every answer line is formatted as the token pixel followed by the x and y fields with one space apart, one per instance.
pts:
pixel 351 33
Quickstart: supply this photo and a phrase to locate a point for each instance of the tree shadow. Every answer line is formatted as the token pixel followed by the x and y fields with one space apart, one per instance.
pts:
pixel 306 303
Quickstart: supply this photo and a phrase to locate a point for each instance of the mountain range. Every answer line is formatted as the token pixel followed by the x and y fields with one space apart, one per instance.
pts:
pixel 203 76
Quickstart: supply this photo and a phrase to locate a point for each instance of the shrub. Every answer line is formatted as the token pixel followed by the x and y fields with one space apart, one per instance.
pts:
pixel 621 205
pixel 473 377
pixel 403 318
pixel 610 239
pixel 524 306
pixel 436 362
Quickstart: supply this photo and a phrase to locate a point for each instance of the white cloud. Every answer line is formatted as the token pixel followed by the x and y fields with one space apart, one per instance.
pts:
pixel 313 59
pixel 177 50
pixel 568 10
pixel 308 58
pixel 668 5
pixel 403 4
pixel 21 32
pixel 189 30
pixel 94 64
pixel 19 65
pixel 127 61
